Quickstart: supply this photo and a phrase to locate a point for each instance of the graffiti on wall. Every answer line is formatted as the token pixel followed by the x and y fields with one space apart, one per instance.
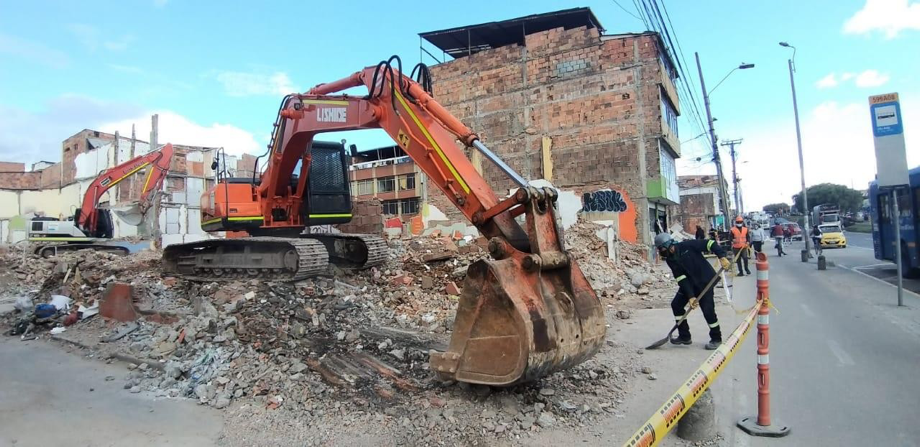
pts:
pixel 605 201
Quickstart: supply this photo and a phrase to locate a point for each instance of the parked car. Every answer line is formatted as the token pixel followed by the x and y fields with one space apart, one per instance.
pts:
pixel 795 229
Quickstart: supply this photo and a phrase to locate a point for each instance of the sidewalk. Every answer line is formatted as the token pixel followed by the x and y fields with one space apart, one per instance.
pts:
pixel 671 364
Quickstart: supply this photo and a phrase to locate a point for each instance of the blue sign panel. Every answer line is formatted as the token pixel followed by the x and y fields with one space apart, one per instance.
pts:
pixel 886 119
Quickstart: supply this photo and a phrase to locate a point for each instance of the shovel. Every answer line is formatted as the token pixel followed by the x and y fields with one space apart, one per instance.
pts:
pixel 692 303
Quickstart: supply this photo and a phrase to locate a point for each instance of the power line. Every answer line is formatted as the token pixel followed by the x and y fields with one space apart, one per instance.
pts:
pixel 661 28
pixel 688 80
pixel 625 10
pixel 639 10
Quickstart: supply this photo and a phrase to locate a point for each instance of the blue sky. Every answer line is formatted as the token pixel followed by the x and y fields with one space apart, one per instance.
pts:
pixel 216 72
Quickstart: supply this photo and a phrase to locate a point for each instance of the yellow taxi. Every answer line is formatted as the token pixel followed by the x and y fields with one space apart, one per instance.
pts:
pixel 832 236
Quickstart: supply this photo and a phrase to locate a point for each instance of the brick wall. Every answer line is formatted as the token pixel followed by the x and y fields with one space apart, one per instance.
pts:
pixel 20 180
pixel 8 166
pixel 76 145
pixel 592 98
pixel 694 210
pixel 367 218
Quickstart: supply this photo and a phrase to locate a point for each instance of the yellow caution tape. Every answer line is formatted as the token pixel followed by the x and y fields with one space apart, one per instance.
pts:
pixel 658 426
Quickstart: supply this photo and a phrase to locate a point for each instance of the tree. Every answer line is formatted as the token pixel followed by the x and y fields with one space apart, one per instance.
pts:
pixel 846 199
pixel 777 209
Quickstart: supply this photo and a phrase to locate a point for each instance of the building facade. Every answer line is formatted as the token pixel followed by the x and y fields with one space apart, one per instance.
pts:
pixel 57 189
pixel 560 100
pixel 700 202
pixel 389 175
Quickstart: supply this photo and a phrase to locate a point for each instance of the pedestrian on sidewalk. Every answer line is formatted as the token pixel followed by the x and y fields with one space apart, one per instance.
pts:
pixel 693 272
pixel 740 241
pixel 778 236
pixel 700 234
pixel 757 238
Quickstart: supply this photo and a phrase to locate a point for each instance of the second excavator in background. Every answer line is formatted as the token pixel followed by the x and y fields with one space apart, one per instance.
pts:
pixel 91 225
pixel 525 313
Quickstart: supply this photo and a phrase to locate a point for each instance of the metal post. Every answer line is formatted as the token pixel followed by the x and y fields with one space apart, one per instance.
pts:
pixel 798 135
pixel 715 147
pixel 763 424
pixel 896 218
pixel 731 144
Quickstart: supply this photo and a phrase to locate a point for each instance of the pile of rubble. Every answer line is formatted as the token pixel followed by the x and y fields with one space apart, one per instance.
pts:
pixel 632 282
pixel 345 350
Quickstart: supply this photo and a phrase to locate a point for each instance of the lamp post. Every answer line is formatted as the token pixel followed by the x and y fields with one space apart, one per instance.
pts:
pixel 806 254
pixel 712 134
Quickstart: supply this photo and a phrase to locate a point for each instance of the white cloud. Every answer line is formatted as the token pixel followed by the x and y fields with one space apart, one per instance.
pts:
pixel 871 78
pixel 252 84
pixel 865 79
pixel 837 144
pixel 887 16
pixel 28 137
pixel 33 51
pixel 175 128
pixel 125 68
pixel 92 39
pixel 828 81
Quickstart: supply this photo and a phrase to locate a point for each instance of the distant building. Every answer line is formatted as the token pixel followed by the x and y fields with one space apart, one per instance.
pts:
pixel 699 202
pixel 389 175
pixel 559 99
pixel 57 189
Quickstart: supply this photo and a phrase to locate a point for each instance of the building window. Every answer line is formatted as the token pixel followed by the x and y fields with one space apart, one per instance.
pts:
pixel 409 206
pixel 668 171
pixel 391 207
pixel 364 187
pixel 667 65
pixel 406 182
pixel 386 184
pixel 668 114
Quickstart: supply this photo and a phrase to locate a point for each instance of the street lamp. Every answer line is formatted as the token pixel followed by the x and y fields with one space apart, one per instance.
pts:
pixel 712 134
pixel 742 66
pixel 798 134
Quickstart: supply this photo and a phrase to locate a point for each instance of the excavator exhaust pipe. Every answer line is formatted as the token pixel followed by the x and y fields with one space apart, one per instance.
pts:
pixel 523 316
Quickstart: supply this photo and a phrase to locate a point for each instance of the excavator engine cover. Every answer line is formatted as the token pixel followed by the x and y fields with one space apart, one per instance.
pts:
pixel 517 324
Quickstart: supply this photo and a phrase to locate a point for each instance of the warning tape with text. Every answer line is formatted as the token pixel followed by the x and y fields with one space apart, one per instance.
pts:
pixel 657 426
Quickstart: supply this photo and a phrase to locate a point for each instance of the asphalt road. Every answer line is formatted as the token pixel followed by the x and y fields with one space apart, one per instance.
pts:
pixel 844 358
pixel 50 397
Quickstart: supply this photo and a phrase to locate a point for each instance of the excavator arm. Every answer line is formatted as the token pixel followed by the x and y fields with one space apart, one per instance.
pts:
pixel 524 313
pixel 157 162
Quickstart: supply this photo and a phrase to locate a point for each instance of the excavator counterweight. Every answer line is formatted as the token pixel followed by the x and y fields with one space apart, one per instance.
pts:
pixel 525 313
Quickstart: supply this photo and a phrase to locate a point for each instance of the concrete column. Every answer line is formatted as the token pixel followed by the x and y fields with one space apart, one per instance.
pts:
pixel 699 423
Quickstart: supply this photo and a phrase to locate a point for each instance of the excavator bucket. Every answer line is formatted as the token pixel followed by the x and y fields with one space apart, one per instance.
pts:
pixel 521 317
pixel 131 214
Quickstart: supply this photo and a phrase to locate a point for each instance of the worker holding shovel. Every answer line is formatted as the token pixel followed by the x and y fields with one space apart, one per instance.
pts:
pixel 694 276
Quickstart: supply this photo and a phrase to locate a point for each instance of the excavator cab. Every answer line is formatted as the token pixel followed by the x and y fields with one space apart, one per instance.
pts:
pixel 328 195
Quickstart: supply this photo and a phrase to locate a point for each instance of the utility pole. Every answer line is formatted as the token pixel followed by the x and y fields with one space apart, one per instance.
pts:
pixel 715 148
pixel 798 134
pixel 731 144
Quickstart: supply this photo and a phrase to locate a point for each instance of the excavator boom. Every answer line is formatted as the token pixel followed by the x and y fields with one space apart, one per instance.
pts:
pixel 525 313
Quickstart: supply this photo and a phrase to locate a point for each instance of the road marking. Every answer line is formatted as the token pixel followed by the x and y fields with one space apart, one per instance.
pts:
pixel 841 355
pixel 807 311
pixel 856 270
pixel 884 264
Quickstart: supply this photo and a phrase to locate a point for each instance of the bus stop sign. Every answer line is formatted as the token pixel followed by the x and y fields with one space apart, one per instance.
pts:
pixel 890 150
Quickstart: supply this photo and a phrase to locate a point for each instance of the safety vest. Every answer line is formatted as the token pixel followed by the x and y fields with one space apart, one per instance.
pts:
pixel 739 237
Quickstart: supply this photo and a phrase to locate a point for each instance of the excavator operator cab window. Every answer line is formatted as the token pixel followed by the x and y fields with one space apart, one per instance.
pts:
pixel 329 199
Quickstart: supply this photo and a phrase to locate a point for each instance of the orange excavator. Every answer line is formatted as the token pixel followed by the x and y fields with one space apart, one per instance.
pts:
pixel 525 313
pixel 91 225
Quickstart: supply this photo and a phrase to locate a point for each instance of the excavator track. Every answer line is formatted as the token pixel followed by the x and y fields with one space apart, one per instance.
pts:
pixel 47 251
pixel 352 251
pixel 271 258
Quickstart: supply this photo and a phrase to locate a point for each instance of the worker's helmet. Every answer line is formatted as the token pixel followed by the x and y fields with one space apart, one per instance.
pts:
pixel 663 241
pixel 739 219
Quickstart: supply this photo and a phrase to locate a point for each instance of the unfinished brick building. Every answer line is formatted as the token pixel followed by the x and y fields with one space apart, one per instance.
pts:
pixel 560 100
